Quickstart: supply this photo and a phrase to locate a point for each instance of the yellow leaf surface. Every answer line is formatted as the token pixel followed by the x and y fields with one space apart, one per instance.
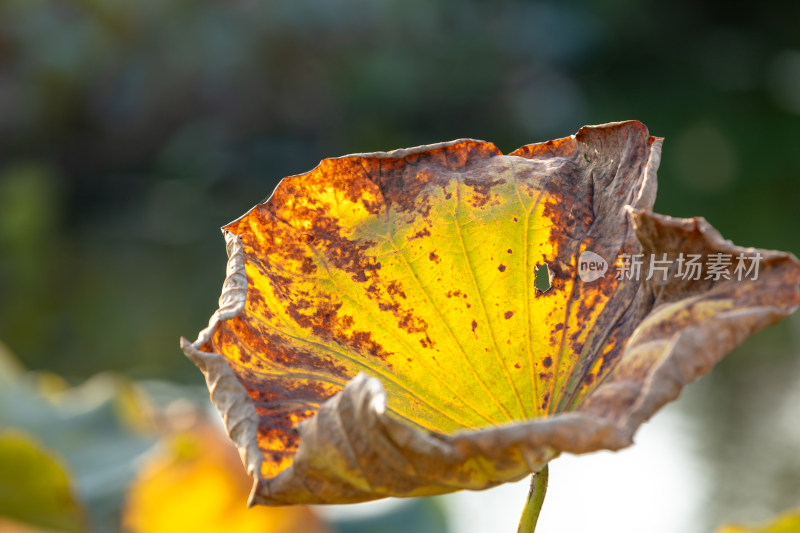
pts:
pixel 414 322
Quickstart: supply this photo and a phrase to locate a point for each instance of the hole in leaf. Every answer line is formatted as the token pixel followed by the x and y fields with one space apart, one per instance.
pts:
pixel 543 277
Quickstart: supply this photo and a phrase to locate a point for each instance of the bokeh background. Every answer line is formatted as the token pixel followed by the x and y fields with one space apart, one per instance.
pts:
pixel 131 130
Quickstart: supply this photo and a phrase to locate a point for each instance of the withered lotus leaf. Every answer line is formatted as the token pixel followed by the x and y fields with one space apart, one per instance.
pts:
pixel 382 331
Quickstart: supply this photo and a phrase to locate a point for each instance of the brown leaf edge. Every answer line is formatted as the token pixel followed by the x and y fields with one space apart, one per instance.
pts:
pixel 351 451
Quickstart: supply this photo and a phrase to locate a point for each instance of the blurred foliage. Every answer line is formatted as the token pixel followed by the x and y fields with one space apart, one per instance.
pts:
pixel 744 417
pixel 423 515
pixel 100 430
pixel 197 483
pixel 35 489
pixel 788 522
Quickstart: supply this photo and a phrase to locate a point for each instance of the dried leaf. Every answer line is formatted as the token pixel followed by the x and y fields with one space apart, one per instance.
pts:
pixel 415 322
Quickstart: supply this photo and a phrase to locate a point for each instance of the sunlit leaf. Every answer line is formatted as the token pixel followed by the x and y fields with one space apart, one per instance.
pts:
pixel 198 484
pixel 788 522
pixel 414 322
pixel 35 490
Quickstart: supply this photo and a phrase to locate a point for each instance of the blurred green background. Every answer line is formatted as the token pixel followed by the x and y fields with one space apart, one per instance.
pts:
pixel 131 130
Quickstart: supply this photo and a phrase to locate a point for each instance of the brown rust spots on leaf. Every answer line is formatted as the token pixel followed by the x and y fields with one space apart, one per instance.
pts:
pixel 395 289
pixel 412 324
pixel 545 405
pixel 402 180
pixel 424 232
pixel 565 148
pixel 280 408
pixel 266 349
pixel 427 342
pixel 482 188
pixel 306 243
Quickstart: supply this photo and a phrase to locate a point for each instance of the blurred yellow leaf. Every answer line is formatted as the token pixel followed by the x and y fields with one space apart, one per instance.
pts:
pixel 198 484
pixel 35 490
pixel 448 317
pixel 789 522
